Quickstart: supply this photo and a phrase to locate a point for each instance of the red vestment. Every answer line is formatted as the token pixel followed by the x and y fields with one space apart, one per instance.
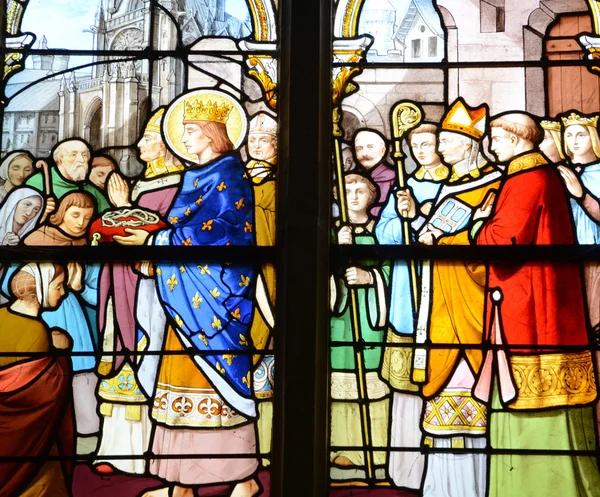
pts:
pixel 543 300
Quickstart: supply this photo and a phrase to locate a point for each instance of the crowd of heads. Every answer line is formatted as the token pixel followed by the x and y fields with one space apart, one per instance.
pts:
pixel 464 139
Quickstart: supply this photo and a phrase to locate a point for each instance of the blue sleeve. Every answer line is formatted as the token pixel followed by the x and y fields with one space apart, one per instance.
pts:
pixel 388 230
pixel 89 293
pixel 8 272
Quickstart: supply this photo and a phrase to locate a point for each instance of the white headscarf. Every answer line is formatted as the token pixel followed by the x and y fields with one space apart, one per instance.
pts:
pixel 7 211
pixel 43 273
pixel 6 163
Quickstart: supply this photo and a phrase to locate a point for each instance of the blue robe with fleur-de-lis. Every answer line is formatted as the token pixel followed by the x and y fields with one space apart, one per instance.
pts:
pixel 210 303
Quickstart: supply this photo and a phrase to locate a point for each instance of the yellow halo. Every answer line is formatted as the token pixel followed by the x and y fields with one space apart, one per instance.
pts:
pixel 236 125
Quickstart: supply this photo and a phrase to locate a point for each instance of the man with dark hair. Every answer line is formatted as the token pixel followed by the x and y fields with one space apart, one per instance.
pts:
pixel 370 149
pixel 102 166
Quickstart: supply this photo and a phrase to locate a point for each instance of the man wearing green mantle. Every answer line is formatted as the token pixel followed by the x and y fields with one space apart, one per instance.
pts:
pixel 72 159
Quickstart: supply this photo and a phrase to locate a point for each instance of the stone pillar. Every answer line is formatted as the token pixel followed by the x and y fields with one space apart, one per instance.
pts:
pixel 73 107
pixel 63 110
pixel 106 107
pixel 130 108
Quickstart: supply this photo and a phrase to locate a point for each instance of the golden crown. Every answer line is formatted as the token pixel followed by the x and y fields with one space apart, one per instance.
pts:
pixel 573 119
pixel 550 125
pixel 197 110
pixel 153 125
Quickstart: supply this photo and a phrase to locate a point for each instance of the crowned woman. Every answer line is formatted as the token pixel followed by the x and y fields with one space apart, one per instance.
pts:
pixel 582 179
pixel 203 400
pixel 552 145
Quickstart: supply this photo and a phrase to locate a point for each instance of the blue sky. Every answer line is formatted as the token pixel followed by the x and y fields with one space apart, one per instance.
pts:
pixel 73 17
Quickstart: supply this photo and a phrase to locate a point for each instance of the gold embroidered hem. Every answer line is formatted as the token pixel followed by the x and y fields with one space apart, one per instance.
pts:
pixel 455 411
pixel 184 397
pixel 133 412
pixel 121 388
pixel 201 407
pixel 553 380
pixel 396 365
pixel 344 386
pixel 455 442
pixel 525 162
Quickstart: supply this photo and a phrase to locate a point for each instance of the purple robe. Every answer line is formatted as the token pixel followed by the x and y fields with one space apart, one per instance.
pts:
pixel 122 281
pixel 385 179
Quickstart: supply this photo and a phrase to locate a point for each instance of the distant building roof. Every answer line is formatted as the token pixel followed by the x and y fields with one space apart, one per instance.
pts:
pixel 42 96
pixel 202 21
pixel 425 10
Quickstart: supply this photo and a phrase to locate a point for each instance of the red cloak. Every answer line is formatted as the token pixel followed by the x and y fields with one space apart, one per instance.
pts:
pixel 35 415
pixel 542 301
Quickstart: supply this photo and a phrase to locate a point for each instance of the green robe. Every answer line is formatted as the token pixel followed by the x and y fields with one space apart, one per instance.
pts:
pixel 60 187
pixel 546 474
pixel 371 309
pixel 346 421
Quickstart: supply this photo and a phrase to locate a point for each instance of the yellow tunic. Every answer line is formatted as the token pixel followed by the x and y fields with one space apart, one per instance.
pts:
pixel 458 300
pixel 263 179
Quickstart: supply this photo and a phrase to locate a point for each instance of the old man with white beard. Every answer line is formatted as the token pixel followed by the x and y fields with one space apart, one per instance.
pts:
pixel 72 159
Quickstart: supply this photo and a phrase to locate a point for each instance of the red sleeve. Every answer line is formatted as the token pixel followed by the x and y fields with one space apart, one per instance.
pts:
pixel 517 213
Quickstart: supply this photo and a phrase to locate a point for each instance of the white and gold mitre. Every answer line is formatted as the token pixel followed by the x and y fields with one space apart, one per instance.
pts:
pixel 263 123
pixel 198 110
pixel 466 120
pixel 582 120
pixel 155 121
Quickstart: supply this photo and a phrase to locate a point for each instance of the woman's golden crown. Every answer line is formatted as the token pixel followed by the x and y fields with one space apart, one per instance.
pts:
pixel 197 110
pixel 573 119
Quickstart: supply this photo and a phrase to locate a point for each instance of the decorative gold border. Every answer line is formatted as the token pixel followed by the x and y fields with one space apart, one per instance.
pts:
pixel 553 380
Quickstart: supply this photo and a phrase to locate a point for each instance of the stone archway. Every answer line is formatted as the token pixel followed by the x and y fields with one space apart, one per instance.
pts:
pixel 93 124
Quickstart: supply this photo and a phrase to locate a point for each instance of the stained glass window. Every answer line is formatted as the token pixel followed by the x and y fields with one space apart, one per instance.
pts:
pixel 463 314
pixel 138 220
pixel 417 179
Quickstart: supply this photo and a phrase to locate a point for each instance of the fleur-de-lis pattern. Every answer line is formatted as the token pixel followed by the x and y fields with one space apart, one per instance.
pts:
pixel 213 301
pixel 197 300
pixel 172 281
pixel 228 358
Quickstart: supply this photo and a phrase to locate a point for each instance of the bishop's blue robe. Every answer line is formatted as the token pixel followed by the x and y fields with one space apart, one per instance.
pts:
pixel 389 231
pixel 211 303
